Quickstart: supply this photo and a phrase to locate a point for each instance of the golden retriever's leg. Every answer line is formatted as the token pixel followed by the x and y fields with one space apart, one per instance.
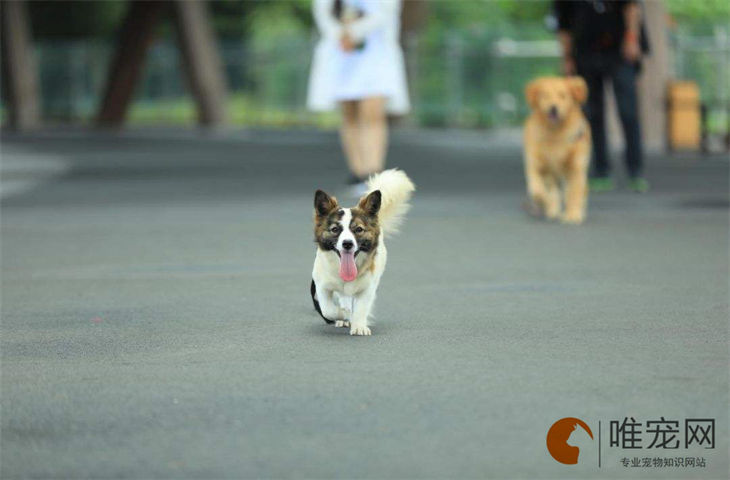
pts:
pixel 552 198
pixel 535 185
pixel 576 195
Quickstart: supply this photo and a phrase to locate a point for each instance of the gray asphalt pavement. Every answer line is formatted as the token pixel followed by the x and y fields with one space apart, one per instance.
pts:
pixel 156 320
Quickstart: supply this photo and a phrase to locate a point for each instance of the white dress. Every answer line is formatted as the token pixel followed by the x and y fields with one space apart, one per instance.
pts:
pixel 377 70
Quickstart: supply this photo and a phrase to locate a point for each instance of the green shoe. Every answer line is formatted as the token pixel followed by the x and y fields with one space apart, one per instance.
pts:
pixel 638 185
pixel 600 184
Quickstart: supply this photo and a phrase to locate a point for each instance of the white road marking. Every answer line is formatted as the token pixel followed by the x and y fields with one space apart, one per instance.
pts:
pixel 21 171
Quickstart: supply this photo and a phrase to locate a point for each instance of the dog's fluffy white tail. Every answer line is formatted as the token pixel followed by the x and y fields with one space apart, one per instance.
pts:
pixel 396 190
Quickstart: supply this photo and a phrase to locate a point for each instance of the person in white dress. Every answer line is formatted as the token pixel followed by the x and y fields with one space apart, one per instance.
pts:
pixel 358 65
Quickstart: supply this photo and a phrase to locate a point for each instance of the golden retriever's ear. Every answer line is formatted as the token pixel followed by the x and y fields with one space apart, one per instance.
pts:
pixel 531 91
pixel 578 88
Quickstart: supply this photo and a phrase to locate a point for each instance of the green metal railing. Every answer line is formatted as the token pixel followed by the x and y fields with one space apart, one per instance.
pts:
pixel 456 80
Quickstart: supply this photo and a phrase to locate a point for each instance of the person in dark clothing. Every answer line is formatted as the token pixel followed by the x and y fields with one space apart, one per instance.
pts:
pixel 604 41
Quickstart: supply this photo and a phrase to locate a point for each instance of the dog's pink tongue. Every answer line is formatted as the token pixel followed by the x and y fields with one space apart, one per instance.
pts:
pixel 348 269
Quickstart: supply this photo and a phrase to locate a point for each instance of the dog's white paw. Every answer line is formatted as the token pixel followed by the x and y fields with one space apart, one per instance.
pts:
pixel 342 323
pixel 360 330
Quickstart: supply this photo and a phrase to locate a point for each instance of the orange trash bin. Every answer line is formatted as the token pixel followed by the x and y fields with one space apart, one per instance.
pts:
pixel 685 116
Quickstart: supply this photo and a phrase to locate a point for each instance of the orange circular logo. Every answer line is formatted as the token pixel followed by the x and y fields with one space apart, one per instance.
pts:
pixel 557 439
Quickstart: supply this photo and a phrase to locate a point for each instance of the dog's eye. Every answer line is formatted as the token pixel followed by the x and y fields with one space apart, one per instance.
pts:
pixel 335 229
pixel 359 229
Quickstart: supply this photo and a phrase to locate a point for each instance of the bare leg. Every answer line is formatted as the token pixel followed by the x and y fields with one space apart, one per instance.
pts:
pixel 350 137
pixel 374 134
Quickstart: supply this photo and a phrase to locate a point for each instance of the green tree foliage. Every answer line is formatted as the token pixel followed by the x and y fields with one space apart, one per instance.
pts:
pixel 229 16
pixel 239 18
pixel 75 19
pixel 700 10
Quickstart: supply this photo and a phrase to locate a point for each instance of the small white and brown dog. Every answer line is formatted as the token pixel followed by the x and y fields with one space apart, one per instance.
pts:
pixel 351 254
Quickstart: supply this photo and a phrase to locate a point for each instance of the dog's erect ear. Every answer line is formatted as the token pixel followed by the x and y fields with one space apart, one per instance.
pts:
pixel 531 92
pixel 371 203
pixel 578 88
pixel 323 203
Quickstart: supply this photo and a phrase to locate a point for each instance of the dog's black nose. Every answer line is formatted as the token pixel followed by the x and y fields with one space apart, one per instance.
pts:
pixel 553 112
pixel 347 244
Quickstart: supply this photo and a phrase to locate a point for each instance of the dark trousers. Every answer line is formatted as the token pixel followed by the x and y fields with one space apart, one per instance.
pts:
pixel 597 69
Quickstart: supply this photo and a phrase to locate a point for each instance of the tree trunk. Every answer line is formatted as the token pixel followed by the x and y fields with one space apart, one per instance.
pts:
pixel 201 61
pixel 19 68
pixel 136 36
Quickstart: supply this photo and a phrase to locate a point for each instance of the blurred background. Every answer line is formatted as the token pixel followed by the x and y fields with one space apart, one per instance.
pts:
pixel 467 61
pixel 158 167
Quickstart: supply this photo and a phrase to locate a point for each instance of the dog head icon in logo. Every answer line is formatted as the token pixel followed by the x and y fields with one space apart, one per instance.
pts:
pixel 560 434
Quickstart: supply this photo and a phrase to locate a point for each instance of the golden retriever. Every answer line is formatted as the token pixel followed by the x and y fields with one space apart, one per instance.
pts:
pixel 557 142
